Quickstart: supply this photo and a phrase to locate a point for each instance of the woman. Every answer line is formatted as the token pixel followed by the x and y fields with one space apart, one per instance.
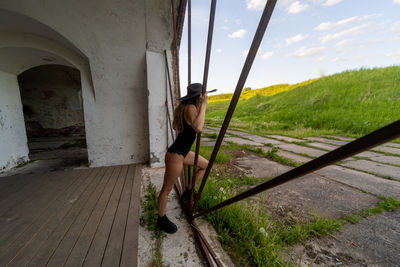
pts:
pixel 188 120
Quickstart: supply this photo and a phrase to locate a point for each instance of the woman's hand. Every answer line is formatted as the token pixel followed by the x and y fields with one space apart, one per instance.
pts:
pixel 204 98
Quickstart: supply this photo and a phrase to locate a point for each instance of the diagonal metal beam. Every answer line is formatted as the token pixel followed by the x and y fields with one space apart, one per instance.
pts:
pixel 262 26
pixel 382 135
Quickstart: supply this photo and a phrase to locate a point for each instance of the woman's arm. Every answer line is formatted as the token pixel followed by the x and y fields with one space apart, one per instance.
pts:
pixel 194 118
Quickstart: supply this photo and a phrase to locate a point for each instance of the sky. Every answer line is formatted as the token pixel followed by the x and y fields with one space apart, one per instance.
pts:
pixel 305 39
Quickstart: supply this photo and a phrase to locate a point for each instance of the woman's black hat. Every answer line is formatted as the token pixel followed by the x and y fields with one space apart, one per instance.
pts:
pixel 194 90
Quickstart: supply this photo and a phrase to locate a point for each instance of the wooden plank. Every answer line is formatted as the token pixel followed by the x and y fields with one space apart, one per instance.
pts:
pixel 21 189
pixel 63 249
pixel 37 225
pixel 78 254
pixel 96 251
pixel 46 250
pixel 33 245
pixel 115 242
pixel 130 247
pixel 18 218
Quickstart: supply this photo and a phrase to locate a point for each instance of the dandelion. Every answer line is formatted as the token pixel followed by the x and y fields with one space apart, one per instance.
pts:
pixel 262 230
pixel 217 174
pixel 221 189
pixel 224 198
pixel 215 197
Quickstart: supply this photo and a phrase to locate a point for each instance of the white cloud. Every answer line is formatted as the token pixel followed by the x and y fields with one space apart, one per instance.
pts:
pixel 237 34
pixel 219 50
pixel 396 2
pixel 307 52
pixel 294 39
pixel 296 8
pixel 331 25
pixel 255 4
pixel 394 54
pixel 343 43
pixel 321 58
pixel 336 59
pixel 332 2
pixel 267 55
pixel 354 30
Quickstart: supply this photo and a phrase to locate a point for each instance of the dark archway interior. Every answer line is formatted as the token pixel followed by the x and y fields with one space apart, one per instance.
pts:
pixel 51 96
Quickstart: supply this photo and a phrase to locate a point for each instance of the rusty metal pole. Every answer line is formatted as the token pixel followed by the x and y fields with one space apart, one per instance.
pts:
pixel 262 26
pixel 382 135
pixel 189 41
pixel 205 78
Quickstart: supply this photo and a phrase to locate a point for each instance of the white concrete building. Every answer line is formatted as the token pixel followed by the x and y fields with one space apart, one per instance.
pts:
pixel 117 47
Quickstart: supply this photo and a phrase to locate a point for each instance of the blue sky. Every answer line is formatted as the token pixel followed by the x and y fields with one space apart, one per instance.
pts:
pixel 305 39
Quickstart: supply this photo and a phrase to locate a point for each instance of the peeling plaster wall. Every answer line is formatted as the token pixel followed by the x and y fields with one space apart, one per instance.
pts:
pixel 52 96
pixel 114 35
pixel 159 130
pixel 13 143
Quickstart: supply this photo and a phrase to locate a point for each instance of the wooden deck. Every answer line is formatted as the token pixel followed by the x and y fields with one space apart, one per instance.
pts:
pixel 73 218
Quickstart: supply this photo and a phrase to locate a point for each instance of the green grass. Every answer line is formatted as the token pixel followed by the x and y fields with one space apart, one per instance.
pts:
pixel 150 217
pixel 351 103
pixel 387 204
pixel 273 155
pixel 246 231
pixel 225 153
pixel 210 135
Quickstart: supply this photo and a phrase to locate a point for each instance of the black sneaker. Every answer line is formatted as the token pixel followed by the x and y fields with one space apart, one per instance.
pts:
pixel 163 223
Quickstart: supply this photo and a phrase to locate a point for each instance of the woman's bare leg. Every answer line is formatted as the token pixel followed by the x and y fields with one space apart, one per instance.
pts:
pixel 201 166
pixel 173 168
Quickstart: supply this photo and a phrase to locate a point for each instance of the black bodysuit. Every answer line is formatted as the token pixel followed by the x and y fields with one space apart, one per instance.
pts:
pixel 184 140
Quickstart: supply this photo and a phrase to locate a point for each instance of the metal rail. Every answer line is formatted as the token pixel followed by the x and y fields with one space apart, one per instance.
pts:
pixel 382 135
pixel 262 26
pixel 205 78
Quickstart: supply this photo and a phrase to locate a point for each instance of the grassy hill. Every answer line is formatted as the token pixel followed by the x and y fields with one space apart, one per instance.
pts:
pixel 350 103
pixel 266 91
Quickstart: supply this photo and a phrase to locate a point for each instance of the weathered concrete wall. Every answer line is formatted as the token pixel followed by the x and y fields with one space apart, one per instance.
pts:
pixel 114 37
pixel 13 143
pixel 52 96
pixel 159 129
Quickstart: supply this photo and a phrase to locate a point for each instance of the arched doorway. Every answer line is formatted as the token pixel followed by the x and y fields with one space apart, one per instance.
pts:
pixel 51 97
pixel 32 55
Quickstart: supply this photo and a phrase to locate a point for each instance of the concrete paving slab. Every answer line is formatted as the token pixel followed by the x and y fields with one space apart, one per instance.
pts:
pixel 259 167
pixel 302 150
pixel 313 194
pixel 326 140
pixel 212 238
pixel 234 132
pixel 385 159
pixel 286 138
pixel 388 149
pixel 374 241
pixel 361 180
pixel 293 157
pixel 263 140
pixel 347 139
pixel 392 144
pixel 373 167
pixel 323 146
pixel 241 141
